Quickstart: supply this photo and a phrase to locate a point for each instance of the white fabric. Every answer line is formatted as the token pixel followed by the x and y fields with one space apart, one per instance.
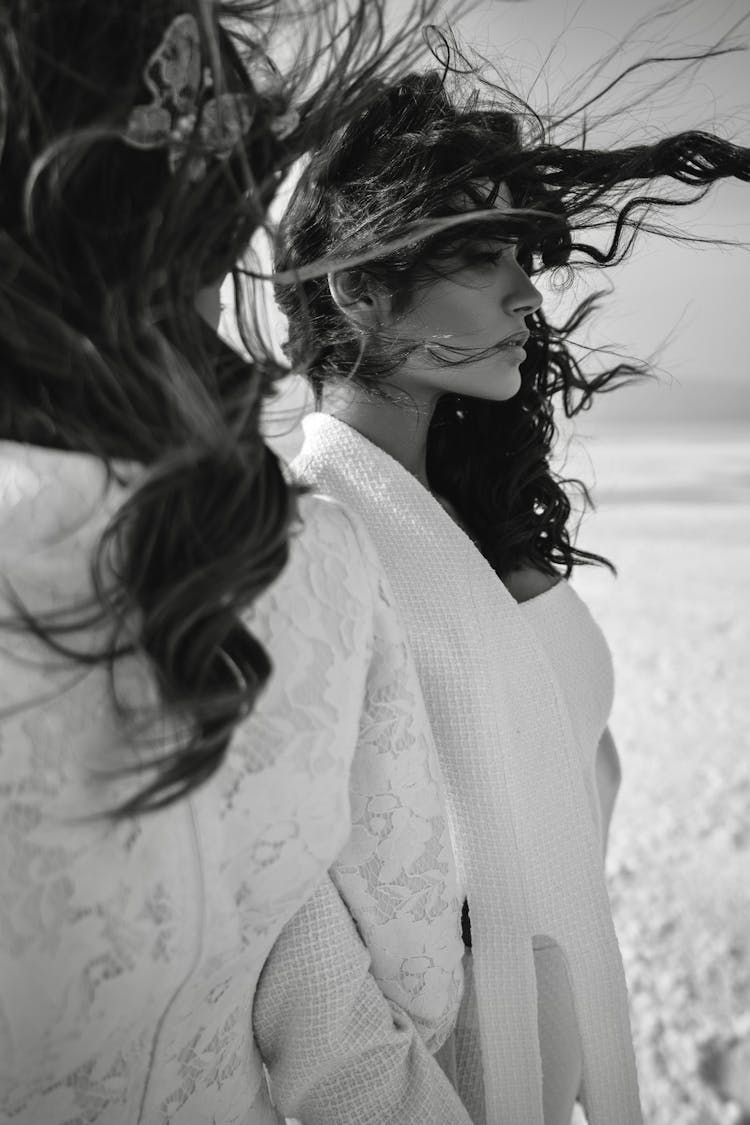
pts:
pixel 397 871
pixel 129 952
pixel 580 659
pixel 526 839
pixel 319 1073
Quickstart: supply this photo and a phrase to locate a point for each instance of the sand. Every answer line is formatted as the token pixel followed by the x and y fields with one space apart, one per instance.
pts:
pixel 675 517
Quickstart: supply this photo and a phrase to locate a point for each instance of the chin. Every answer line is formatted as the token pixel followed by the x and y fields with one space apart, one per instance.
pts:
pixel 498 386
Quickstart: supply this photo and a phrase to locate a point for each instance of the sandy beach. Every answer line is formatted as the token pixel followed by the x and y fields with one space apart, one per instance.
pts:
pixel 674 514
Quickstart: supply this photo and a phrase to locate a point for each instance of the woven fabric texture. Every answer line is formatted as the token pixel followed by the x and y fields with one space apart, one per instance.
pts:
pixel 521 802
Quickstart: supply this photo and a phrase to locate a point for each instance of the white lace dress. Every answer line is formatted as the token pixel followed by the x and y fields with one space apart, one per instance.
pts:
pixel 130 950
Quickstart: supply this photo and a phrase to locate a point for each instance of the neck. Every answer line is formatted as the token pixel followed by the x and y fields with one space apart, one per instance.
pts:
pixel 398 428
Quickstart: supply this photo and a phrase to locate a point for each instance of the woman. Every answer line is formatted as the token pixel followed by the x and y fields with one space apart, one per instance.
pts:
pixel 435 370
pixel 187 675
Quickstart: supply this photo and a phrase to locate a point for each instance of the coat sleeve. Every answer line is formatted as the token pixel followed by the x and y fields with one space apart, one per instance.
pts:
pixel 397 873
pixel 336 1050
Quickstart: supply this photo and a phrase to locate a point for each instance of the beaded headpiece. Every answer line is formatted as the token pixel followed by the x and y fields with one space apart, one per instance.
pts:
pixel 184 115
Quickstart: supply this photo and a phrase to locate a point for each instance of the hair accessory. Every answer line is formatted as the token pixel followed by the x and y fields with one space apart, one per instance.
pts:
pixel 182 117
pixel 268 81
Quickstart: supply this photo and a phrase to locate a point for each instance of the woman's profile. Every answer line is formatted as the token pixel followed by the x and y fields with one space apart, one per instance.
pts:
pixel 435 373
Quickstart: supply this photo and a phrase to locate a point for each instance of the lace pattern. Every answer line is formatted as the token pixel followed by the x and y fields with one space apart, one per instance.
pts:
pixel 129 953
pixel 396 872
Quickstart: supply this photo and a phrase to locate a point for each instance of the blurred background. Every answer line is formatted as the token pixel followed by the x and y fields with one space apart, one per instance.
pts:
pixel 668 465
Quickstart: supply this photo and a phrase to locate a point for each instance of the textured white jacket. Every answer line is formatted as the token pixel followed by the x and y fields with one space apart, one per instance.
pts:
pixel 130 951
pixel 528 845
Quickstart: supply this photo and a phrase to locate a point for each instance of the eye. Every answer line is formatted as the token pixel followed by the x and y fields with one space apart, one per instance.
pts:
pixel 489 257
pixel 491 254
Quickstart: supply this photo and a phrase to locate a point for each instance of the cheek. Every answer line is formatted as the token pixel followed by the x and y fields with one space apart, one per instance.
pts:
pixel 458 311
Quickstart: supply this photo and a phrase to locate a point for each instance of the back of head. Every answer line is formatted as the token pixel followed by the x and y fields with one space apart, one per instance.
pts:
pixel 141 143
pixel 117 205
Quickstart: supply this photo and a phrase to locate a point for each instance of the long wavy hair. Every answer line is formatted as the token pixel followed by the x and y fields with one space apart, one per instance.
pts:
pixel 424 146
pixel 103 248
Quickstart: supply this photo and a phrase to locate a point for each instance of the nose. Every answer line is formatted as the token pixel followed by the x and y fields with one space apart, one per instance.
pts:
pixel 521 297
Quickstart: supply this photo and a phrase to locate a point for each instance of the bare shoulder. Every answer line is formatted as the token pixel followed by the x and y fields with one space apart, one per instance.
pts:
pixel 526 583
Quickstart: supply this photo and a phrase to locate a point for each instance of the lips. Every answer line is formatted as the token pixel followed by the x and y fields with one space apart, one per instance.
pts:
pixel 515 340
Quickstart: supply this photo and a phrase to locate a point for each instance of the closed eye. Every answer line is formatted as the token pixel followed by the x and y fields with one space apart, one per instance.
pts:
pixel 493 255
pixel 489 258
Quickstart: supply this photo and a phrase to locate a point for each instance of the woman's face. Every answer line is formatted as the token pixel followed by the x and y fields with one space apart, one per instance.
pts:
pixel 475 315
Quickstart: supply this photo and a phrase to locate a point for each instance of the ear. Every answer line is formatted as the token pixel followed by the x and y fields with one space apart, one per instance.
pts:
pixel 359 298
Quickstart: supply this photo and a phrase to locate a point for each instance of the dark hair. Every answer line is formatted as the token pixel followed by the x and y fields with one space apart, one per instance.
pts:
pixel 103 248
pixel 417 152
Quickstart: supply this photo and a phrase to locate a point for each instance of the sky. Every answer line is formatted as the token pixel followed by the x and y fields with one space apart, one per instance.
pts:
pixel 685 307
